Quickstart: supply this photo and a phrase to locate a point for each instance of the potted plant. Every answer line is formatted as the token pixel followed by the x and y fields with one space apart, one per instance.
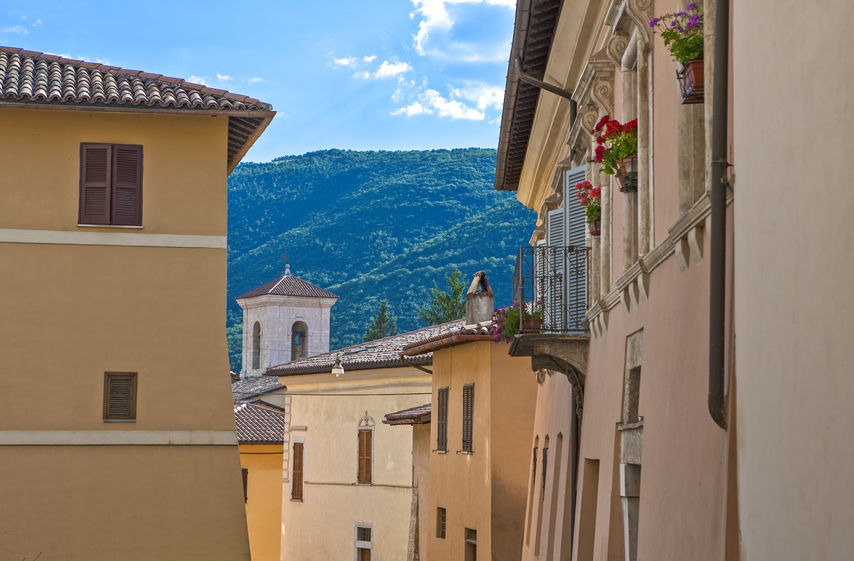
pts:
pixel 683 36
pixel 617 150
pixel 590 198
pixel 507 323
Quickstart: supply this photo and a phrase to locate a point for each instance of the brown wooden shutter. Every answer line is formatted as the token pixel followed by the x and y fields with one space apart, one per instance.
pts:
pixel 95 164
pixel 442 420
pixel 468 412
pixel 365 456
pixel 296 479
pixel 245 484
pixel 120 395
pixel 127 185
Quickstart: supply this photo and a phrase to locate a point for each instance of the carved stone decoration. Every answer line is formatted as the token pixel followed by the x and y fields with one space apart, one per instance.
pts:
pixel 640 11
pixel 578 393
pixel 552 202
pixel 616 47
pixel 539 234
pixel 541 375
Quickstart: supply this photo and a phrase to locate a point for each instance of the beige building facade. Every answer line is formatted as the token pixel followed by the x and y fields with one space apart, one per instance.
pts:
pixel 113 240
pixel 344 466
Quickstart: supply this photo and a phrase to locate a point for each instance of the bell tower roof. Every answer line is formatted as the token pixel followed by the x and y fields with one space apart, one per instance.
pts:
pixel 288 285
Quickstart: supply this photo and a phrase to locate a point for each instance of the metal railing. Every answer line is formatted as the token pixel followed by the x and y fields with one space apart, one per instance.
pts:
pixel 551 282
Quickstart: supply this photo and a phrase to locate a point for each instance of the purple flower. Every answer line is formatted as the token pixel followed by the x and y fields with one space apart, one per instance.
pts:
pixel 691 6
pixel 694 22
pixel 653 21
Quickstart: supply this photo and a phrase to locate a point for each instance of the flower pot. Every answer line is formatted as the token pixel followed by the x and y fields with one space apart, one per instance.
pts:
pixel 627 174
pixel 532 325
pixel 691 81
pixel 595 227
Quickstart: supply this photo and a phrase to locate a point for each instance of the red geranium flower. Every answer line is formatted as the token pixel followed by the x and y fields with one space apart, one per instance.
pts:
pixel 601 122
pixel 600 150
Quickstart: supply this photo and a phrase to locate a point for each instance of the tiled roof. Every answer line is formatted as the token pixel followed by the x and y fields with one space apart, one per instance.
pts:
pixel 465 334
pixel 244 390
pixel 413 416
pixel 536 21
pixel 381 353
pixel 288 285
pixel 28 78
pixel 258 425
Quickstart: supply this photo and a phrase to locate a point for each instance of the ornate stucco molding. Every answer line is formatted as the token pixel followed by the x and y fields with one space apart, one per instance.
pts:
pixel 616 47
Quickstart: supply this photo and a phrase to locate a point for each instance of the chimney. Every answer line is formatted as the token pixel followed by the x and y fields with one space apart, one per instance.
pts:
pixel 480 300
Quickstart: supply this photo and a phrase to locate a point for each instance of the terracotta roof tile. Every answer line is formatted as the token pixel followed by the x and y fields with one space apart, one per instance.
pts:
pixel 82 81
pixel 246 389
pixel 258 425
pixel 288 285
pixel 381 353
pixel 412 416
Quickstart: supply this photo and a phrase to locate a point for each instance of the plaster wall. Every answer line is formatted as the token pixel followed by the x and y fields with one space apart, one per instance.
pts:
pixel 73 311
pixel 792 277
pixel 264 499
pixel 553 416
pixel 277 316
pixel 327 425
pixel 421 477
pixel 484 490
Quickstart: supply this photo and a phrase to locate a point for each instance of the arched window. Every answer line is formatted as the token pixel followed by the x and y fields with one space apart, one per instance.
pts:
pixel 299 340
pixel 256 346
pixel 366 451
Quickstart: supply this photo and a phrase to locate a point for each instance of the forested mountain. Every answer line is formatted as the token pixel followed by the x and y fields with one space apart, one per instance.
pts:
pixel 370 226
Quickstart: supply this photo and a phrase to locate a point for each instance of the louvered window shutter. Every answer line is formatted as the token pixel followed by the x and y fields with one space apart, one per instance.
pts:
pixel 127 185
pixel 120 395
pixel 95 164
pixel 576 270
pixel 245 484
pixel 468 412
pixel 554 287
pixel 296 483
pixel 365 453
pixel 442 420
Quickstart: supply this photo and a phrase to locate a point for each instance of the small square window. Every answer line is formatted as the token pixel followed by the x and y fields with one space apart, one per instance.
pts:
pixel 119 396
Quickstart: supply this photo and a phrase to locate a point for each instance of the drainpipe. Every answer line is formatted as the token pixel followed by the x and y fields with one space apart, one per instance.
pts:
pixel 717 259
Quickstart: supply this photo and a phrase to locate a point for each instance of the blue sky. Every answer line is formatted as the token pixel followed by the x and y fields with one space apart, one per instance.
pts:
pixel 358 74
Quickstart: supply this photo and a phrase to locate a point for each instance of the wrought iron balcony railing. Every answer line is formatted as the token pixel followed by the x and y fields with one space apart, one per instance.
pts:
pixel 552 280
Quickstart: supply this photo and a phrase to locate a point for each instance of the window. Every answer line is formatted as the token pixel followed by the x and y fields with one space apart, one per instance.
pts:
pixel 441 519
pixel 364 542
pixel 110 184
pixel 299 342
pixel 468 412
pixel 365 477
pixel 245 484
pixel 471 544
pixel 442 420
pixel 296 477
pixel 531 492
pixel 256 345
pixel 119 396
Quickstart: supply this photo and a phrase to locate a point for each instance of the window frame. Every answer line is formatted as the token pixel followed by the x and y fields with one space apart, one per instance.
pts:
pixel 365 477
pixel 441 522
pixel 111 220
pixel 361 544
pixel 297 493
pixel 467 445
pixel 442 419
pixel 131 416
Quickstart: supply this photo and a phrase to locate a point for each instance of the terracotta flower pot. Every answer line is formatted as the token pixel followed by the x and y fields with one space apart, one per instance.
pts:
pixel 595 227
pixel 692 80
pixel 532 325
pixel 627 174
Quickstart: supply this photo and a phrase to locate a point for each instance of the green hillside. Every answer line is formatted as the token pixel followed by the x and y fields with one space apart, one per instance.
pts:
pixel 368 226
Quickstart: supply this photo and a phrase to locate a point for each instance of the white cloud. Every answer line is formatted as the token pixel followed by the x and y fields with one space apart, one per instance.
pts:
pixel 347 61
pixel 223 77
pixel 255 80
pixel 369 59
pixel 484 96
pixel 388 69
pixel 437 20
pixel 37 23
pixel 197 80
pixel 17 29
pixel 431 102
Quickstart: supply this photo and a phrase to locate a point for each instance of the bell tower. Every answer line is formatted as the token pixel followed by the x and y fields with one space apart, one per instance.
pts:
pixel 283 320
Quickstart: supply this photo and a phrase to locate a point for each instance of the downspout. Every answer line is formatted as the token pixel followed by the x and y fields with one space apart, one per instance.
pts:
pixel 717 257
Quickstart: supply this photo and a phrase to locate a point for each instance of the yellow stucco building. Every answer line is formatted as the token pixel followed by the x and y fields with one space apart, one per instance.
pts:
pixel 113 244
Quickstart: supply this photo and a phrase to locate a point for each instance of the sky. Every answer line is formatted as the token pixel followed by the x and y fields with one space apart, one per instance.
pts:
pixel 351 74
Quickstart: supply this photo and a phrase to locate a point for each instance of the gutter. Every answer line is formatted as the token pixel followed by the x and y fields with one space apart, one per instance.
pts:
pixel 717 258
pixel 451 341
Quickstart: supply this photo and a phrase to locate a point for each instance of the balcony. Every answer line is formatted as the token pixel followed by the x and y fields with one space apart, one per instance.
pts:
pixel 552 280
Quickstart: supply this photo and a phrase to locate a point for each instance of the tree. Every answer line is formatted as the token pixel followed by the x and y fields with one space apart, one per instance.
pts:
pixel 383 324
pixel 445 305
